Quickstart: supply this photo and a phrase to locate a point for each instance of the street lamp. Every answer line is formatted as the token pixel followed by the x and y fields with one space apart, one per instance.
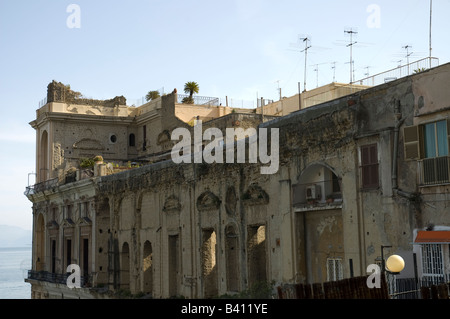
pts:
pixel 393 265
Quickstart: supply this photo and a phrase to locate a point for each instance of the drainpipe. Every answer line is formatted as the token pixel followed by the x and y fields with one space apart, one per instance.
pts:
pixel 399 121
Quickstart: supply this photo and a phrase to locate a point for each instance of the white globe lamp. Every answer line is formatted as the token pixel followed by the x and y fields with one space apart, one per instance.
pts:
pixel 395 264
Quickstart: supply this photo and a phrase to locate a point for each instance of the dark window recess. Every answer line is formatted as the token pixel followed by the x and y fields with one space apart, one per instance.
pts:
pixel 144 145
pixel 69 251
pixel 53 247
pixel 369 166
pixel 132 140
pixel 85 256
pixel 113 138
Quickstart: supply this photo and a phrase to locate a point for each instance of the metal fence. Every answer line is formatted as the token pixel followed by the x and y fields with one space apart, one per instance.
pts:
pixel 356 288
pixel 399 72
pixel 200 100
pixel 350 288
pixel 420 288
pixel 54 278
pixel 40 187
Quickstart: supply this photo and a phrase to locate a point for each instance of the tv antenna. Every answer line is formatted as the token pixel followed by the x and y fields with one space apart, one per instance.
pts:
pixel 351 44
pixel 334 70
pixel 316 69
pixel 307 46
pixel 408 54
pixel 352 69
pixel 278 88
pixel 305 42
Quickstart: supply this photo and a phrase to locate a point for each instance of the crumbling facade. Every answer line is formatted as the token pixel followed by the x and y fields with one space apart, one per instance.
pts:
pixel 354 174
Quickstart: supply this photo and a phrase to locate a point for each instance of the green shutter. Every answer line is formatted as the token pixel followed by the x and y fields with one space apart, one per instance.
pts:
pixel 411 142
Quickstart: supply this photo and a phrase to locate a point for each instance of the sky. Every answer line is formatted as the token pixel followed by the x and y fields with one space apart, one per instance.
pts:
pixel 240 49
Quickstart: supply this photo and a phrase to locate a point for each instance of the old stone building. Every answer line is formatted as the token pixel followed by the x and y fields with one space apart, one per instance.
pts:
pixel 356 173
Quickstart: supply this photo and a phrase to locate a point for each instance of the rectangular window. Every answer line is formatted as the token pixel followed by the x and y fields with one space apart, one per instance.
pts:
pixel 369 166
pixel 334 269
pixel 144 145
pixel 68 252
pixel 53 255
pixel 435 139
pixel 432 262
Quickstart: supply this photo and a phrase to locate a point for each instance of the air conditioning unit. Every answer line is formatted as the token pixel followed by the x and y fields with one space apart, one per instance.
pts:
pixel 313 192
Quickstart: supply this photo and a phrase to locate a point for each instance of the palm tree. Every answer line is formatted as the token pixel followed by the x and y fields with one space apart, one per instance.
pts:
pixel 151 95
pixel 191 88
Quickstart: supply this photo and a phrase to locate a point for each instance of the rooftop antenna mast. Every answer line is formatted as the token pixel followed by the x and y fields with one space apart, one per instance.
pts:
pixel 278 89
pixel 334 70
pixel 351 32
pixel 431 15
pixel 316 69
pixel 307 46
pixel 407 47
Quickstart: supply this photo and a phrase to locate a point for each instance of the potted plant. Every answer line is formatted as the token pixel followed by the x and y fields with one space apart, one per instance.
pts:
pixel 98 159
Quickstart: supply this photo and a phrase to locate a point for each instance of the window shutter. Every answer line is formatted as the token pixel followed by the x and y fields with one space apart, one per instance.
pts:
pixel 448 135
pixel 411 142
pixel 373 154
pixel 369 166
pixel 365 156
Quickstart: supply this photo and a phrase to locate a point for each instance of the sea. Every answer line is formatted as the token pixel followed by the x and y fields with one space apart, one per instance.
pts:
pixel 14 266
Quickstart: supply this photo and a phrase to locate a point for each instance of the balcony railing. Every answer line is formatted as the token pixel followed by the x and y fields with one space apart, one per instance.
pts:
pixel 40 187
pixel 434 170
pixel 53 278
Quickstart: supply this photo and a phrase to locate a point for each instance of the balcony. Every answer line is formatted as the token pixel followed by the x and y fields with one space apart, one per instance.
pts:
pixel 40 187
pixel 54 278
pixel 434 171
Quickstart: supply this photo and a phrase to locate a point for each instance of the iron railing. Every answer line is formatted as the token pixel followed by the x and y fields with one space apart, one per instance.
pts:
pixel 40 187
pixel 200 100
pixel 410 288
pixel 399 72
pixel 54 278
pixel 434 170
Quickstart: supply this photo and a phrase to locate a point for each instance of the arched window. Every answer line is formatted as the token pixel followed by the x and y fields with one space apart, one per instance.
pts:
pixel 131 140
pixel 43 158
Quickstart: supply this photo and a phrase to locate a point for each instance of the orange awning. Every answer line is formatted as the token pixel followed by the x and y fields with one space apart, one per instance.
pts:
pixel 433 237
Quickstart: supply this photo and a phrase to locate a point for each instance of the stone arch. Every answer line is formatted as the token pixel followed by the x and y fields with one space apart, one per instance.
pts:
pixel 317 183
pixel 255 195
pixel 208 201
pixel 40 243
pixel 172 204
pixel 317 201
pixel 43 157
pixel 125 267
pixel 147 266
